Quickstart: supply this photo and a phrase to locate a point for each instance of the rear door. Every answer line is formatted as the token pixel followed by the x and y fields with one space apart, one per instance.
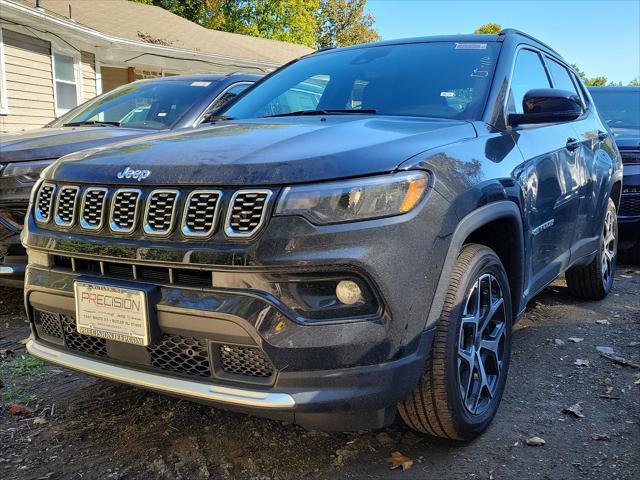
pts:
pixel 549 177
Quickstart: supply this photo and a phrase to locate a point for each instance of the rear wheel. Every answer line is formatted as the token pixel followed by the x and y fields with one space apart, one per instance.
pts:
pixel 594 281
pixel 463 380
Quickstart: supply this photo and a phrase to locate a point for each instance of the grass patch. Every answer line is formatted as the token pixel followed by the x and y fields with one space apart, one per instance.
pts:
pixel 17 395
pixel 26 365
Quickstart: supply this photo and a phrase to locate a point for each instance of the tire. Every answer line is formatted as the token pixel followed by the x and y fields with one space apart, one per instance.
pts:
pixel 594 281
pixel 438 406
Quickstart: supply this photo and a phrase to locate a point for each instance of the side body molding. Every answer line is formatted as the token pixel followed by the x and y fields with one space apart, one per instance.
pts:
pixel 503 209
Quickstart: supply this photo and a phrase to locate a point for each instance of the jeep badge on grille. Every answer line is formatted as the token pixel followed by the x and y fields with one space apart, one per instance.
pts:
pixel 138 175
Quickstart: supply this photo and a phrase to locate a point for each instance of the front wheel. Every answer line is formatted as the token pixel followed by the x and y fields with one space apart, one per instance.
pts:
pixel 463 380
pixel 594 281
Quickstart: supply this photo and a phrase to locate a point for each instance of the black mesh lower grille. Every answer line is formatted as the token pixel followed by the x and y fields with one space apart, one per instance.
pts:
pixel 181 355
pixel 629 205
pixel 241 360
pixel 81 343
pixel 50 323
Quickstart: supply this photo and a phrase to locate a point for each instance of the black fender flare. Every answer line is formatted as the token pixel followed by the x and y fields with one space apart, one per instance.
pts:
pixel 470 223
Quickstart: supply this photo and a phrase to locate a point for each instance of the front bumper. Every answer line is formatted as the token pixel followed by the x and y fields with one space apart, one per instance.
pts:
pixel 629 210
pixel 342 373
pixel 13 256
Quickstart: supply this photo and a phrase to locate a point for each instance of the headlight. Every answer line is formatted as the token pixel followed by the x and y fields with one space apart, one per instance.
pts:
pixel 357 199
pixel 25 171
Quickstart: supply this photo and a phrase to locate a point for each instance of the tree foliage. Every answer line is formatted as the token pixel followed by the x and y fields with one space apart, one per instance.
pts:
pixel 344 22
pixel 316 23
pixel 489 28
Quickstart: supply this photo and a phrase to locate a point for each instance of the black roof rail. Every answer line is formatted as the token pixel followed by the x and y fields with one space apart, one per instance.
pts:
pixel 515 31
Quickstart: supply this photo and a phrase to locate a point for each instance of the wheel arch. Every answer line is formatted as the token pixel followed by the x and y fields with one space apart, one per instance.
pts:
pixel 497 225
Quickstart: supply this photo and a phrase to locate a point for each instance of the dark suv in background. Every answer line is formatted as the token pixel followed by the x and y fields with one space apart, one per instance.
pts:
pixel 619 107
pixel 354 237
pixel 133 110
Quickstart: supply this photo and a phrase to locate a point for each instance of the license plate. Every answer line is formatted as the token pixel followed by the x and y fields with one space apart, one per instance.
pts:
pixel 113 313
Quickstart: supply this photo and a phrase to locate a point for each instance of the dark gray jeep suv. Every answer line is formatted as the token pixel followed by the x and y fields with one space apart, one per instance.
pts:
pixel 353 237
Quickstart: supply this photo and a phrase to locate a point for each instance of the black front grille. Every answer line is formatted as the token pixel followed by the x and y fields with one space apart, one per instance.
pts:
pixel 246 213
pixel 630 156
pixel 124 210
pixel 66 206
pixel 81 343
pixel 183 355
pixel 201 213
pixel 629 205
pixel 50 323
pixel 247 361
pixel 160 212
pixel 93 208
pixel 44 203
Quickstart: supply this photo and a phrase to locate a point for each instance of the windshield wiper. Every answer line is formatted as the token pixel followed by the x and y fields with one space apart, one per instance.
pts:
pixel 330 111
pixel 91 122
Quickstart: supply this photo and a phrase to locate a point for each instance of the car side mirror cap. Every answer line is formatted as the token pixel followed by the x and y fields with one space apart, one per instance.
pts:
pixel 547 105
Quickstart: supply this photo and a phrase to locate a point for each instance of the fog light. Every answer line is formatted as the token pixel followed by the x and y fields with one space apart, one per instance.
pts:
pixel 348 292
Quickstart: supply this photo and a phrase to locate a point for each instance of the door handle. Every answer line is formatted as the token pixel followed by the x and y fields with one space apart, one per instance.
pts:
pixel 572 144
pixel 602 136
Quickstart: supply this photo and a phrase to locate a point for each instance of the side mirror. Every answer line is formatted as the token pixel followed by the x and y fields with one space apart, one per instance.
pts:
pixel 547 105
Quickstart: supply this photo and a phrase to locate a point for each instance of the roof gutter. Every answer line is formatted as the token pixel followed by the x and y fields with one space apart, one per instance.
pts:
pixel 149 48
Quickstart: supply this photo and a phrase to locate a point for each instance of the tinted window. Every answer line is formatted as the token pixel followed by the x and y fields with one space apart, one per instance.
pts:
pixel 620 108
pixel 448 80
pixel 528 73
pixel 560 77
pixel 148 105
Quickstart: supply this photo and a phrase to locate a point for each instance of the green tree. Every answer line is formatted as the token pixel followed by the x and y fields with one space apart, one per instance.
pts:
pixel 194 10
pixel 344 22
pixel 635 82
pixel 599 81
pixel 489 28
pixel 287 20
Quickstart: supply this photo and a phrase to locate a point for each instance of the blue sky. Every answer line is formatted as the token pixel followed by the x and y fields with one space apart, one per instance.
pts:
pixel 601 37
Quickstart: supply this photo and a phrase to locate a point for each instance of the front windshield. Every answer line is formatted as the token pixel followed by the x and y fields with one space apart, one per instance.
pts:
pixel 148 105
pixel 439 79
pixel 619 109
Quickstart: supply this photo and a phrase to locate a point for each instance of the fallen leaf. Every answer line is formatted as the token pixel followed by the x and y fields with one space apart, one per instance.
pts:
pixel 40 421
pixel 5 354
pixel 575 409
pixel 600 437
pixel 558 342
pixel 1 383
pixel 398 460
pixel 535 441
pixel 633 344
pixel 603 322
pixel 581 362
pixel 575 339
pixel 637 377
pixel 24 341
pixel 18 409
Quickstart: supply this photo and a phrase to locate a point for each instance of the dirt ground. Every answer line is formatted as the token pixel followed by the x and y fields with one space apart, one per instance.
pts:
pixel 83 428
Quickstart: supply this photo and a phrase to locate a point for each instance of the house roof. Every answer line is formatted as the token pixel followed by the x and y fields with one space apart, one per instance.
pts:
pixel 146 23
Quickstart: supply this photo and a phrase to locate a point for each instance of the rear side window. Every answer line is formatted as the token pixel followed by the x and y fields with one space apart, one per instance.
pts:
pixel 528 74
pixel 561 77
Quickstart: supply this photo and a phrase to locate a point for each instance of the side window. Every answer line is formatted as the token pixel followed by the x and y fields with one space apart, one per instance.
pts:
pixel 528 73
pixel 232 92
pixel 561 77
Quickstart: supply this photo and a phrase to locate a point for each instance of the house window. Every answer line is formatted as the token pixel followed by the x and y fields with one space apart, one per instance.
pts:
pixel 4 101
pixel 66 84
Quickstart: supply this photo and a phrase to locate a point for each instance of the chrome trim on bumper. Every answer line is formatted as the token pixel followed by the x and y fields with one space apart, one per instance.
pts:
pixel 161 383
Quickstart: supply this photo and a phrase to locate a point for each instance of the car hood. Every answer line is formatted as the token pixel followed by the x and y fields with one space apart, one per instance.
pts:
pixel 46 143
pixel 266 151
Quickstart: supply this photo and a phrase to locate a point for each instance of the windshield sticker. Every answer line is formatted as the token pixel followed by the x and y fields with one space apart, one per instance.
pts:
pixel 200 84
pixel 471 46
pixel 447 94
pixel 162 114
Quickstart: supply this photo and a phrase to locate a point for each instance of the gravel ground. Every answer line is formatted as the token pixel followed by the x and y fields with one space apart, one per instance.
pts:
pixel 81 427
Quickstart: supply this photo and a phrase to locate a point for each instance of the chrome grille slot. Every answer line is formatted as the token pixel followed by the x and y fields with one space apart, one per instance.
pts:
pixel 246 212
pixel 124 210
pixel 65 215
pixel 201 213
pixel 160 212
pixel 44 203
pixel 93 201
